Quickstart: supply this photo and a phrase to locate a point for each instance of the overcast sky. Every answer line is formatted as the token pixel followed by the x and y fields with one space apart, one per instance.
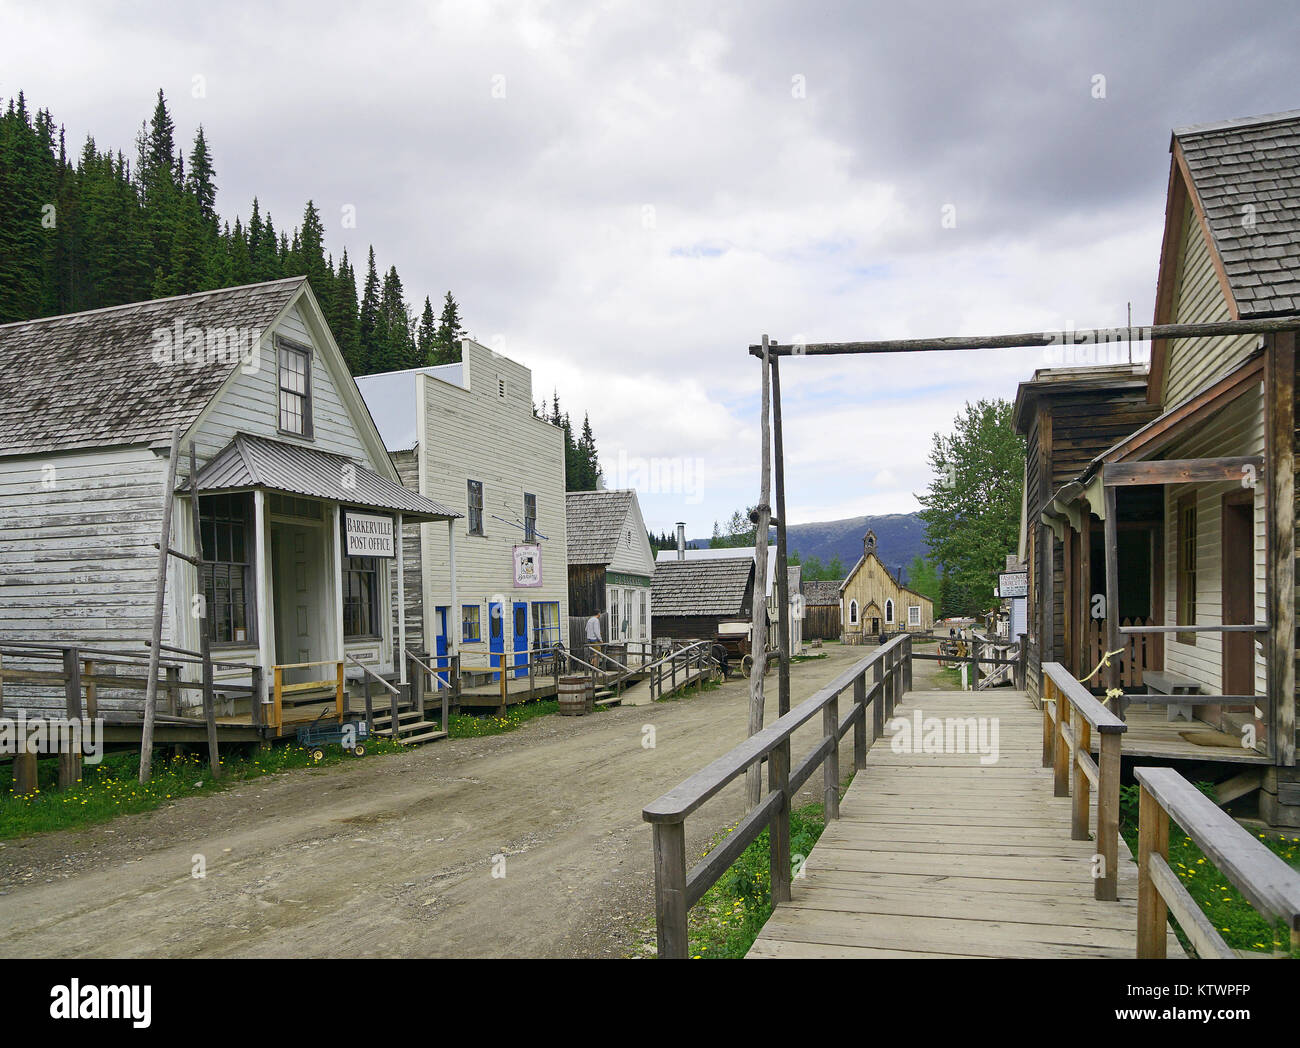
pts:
pixel 624 196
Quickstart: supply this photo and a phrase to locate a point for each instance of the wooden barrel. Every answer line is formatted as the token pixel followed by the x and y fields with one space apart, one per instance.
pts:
pixel 575 694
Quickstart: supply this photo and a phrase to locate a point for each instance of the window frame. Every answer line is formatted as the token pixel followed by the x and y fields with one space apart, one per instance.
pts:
pixel 889 612
pixel 475 513
pixel 1186 512
pixel 530 522
pixel 283 346
pixel 914 608
pixel 376 602
pixel 855 615
pixel 466 620
pixel 545 635
pixel 249 579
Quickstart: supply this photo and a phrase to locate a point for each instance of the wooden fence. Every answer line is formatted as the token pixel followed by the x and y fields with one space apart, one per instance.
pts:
pixel 676 890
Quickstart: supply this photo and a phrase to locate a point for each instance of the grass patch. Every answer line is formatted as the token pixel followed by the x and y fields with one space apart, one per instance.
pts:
pixel 1241 926
pixel 727 920
pixel 949 677
pixel 112 788
pixel 480 725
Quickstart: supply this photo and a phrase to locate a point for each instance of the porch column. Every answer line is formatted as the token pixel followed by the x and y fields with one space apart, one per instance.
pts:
pixel 401 600
pixel 265 625
pixel 1111 532
pixel 1280 558
pixel 453 613
pixel 339 550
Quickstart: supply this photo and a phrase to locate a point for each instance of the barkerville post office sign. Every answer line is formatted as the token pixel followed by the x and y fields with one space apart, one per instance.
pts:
pixel 368 535
pixel 528 566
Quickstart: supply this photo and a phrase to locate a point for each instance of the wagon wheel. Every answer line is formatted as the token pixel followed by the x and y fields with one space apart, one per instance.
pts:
pixel 769 663
pixel 746 664
pixel 359 750
pixel 318 755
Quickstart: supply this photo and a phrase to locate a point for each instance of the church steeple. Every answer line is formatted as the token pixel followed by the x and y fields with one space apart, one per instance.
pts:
pixel 869 543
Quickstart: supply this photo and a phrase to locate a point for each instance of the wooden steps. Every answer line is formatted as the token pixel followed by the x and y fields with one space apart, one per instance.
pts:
pixel 412 728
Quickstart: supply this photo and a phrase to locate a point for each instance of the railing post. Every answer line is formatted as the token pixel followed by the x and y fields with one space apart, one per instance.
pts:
pixel 1022 662
pixel 1082 785
pixel 1107 886
pixel 975 644
pixel 1153 839
pixel 778 781
pixel 670 889
pixel 277 709
pixel 1061 749
pixel 70 762
pixel 907 664
pixel 878 703
pixel 831 764
pixel 859 722
pixel 255 709
pixel 1045 696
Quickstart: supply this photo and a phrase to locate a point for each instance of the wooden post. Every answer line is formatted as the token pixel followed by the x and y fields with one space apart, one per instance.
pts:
pixel 786 620
pixel 1280 488
pixel 92 692
pixel 256 709
pixel 778 780
pixel 370 706
pixel 339 691
pixel 1083 606
pixel 277 708
pixel 1082 785
pixel 392 712
pixel 159 603
pixel 907 665
pixel 860 722
pixel 205 638
pixel 1022 662
pixel 758 636
pixel 1153 839
pixel 831 765
pixel 70 759
pixel 1061 750
pixel 878 703
pixel 670 889
pixel 1111 531
pixel 975 644
pixel 1107 886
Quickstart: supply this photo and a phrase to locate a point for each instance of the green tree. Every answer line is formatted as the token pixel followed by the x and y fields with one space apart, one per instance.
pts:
pixel 426 340
pixel 737 532
pixel 971 509
pixel 450 332
pixel 923 577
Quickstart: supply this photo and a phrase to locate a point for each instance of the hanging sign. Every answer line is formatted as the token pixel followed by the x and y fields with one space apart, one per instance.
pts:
pixel 368 535
pixel 1013 584
pixel 528 566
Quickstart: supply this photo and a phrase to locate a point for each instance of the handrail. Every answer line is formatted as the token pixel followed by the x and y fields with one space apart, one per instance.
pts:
pixel 357 662
pixel 1067 749
pixel 1269 884
pixel 676 890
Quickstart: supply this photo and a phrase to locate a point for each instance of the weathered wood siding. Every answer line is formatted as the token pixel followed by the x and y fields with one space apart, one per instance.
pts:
pixel 587 592
pixel 408 468
pixel 871 584
pixel 822 622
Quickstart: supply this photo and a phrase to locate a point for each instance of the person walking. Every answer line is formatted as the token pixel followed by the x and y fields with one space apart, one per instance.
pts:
pixel 593 637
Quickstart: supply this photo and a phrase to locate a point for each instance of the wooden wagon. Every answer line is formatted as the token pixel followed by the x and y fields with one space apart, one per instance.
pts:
pixel 733 643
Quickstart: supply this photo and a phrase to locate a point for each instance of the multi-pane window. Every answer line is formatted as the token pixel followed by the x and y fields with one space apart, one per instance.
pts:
pixel 469 623
pixel 615 619
pixel 530 517
pixel 889 611
pixel 546 624
pixel 475 507
pixel 645 615
pixel 227 554
pixel 914 614
pixel 361 597
pixel 853 613
pixel 295 391
pixel 1186 589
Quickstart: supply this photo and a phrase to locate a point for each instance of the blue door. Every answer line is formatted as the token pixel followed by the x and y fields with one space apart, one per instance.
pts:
pixel 496 637
pixel 441 661
pixel 521 639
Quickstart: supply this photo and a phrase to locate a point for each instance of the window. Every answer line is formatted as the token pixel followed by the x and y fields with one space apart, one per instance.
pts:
pixel 469 623
pixel 853 613
pixel 914 614
pixel 530 517
pixel 645 615
pixel 225 525
pixel 614 618
pixel 546 624
pixel 889 612
pixel 475 507
pixel 295 390
pixel 361 597
pixel 501 387
pixel 1186 587
pixel 628 611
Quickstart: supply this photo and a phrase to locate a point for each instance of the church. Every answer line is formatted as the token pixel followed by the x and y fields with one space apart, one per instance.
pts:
pixel 873 602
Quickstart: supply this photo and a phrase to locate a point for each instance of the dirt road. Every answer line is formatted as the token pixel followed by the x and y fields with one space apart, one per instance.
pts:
pixel 394 856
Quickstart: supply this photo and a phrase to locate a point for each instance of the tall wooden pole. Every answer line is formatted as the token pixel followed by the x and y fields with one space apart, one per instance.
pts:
pixel 205 638
pixel 762 514
pixel 782 570
pixel 159 602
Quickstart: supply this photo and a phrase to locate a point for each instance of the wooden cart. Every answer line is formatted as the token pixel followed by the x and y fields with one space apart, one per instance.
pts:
pixel 733 644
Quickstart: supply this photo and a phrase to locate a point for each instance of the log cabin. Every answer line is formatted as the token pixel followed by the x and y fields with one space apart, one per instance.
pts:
pixel 1211 478
pixel 821 614
pixel 298 500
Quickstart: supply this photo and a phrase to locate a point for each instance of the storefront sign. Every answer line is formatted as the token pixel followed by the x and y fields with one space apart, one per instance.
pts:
pixel 528 566
pixel 368 535
pixel 1013 584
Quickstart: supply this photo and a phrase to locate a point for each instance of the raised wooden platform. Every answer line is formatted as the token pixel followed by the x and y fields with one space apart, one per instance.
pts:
pixel 1151 734
pixel 938 855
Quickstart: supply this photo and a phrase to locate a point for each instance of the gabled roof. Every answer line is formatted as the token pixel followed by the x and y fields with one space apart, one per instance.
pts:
pixel 249 462
pixel 888 574
pixel 702 587
pixel 594 523
pixel 98 379
pixel 820 594
pixel 1080 380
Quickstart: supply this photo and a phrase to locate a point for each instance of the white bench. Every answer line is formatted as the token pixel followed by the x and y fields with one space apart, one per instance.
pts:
pixel 1166 682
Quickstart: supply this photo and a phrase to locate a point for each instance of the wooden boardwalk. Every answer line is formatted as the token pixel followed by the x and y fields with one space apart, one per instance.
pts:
pixel 938 855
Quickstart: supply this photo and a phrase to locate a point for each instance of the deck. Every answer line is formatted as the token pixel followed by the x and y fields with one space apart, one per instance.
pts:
pixel 1151 734
pixel 938 855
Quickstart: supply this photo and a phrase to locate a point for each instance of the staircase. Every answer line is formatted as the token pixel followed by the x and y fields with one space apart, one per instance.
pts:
pixel 411 728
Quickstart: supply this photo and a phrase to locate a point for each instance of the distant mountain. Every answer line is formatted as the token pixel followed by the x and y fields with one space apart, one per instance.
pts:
pixel 899 538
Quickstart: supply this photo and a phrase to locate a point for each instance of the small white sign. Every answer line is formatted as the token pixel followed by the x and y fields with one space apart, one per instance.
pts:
pixel 1013 584
pixel 368 535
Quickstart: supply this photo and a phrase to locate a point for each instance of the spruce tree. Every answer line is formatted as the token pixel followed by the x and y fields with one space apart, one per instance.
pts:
pixel 426 338
pixel 370 333
pixel 450 332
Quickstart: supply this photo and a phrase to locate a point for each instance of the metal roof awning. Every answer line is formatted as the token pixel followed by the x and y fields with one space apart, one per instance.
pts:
pixel 250 462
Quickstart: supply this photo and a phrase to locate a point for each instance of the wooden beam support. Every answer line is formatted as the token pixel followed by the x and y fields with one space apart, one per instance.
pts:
pixel 1280 583
pixel 784 610
pixel 1183 471
pixel 1112 593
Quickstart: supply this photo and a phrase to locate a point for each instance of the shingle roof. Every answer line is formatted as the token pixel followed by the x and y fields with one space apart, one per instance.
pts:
pixel 701 587
pixel 820 594
pixel 256 462
pixel 1247 176
pixel 96 379
pixel 594 524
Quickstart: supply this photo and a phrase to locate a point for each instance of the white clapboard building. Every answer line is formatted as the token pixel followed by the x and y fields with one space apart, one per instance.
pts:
pixel 465 434
pixel 298 500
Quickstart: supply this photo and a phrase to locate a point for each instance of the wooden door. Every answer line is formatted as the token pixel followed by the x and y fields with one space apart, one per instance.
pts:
pixel 1238 559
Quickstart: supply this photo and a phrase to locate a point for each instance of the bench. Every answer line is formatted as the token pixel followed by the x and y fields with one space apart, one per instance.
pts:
pixel 1165 682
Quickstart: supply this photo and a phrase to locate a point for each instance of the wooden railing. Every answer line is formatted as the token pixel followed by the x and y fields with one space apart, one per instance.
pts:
pixel 1269 884
pixel 691 662
pixel 1070 715
pixel 539 662
pixel 280 689
pixel 676 890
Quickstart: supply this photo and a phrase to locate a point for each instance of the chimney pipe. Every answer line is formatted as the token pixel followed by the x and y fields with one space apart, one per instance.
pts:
pixel 681 540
